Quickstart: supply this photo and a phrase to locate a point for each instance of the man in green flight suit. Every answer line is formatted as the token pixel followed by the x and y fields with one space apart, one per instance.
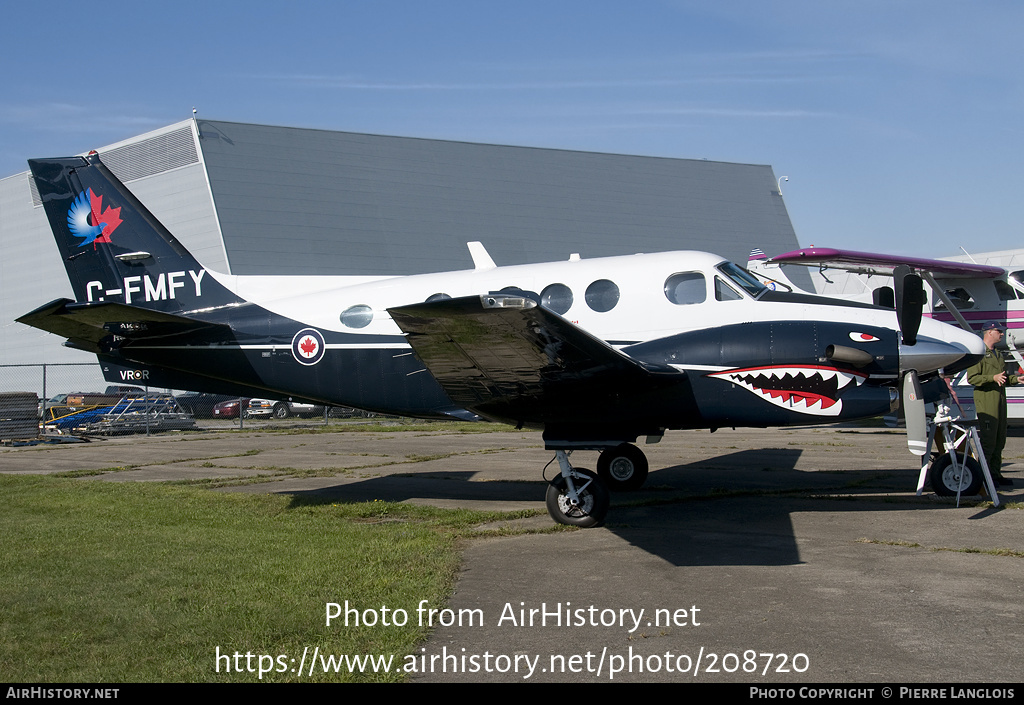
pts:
pixel 989 379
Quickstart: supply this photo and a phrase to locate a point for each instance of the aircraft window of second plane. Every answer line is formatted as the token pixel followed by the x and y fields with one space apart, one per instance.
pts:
pixel 1005 291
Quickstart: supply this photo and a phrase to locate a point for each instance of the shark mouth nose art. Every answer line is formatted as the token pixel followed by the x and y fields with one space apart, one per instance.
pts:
pixel 806 389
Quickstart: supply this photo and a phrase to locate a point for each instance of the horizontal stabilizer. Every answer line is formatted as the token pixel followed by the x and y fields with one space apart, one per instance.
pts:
pixel 507 349
pixel 85 325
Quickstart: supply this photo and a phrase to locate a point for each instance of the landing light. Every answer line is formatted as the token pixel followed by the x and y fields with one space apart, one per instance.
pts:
pixel 133 256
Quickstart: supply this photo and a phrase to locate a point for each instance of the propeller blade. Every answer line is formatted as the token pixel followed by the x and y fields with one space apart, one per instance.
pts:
pixel 913 411
pixel 910 301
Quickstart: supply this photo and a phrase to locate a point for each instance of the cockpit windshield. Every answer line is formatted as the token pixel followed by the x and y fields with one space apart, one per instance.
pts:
pixel 743 279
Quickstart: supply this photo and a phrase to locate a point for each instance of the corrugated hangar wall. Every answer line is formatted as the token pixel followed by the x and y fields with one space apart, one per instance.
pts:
pixel 298 201
pixel 254 199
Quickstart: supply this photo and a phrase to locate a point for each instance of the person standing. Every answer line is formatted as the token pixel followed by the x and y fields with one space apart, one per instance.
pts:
pixel 989 380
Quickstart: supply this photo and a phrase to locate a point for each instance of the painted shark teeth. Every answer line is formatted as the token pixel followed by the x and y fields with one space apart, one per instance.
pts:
pixel 805 389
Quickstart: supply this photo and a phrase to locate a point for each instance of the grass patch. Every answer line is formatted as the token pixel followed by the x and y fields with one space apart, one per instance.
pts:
pixel 142 582
pixel 1007 552
pixel 90 473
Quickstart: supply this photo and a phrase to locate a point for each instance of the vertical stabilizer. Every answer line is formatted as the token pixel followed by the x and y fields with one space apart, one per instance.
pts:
pixel 113 248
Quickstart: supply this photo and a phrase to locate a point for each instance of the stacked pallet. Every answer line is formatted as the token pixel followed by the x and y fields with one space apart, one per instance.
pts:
pixel 19 416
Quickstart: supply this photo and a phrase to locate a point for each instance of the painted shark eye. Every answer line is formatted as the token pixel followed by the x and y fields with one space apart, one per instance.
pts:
pixel 357 316
pixel 862 337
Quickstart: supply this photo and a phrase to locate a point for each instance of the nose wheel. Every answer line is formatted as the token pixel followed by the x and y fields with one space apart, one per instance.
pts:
pixel 950 479
pixel 577 496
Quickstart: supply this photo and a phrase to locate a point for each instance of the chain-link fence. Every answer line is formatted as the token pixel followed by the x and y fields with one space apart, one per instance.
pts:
pixel 74 400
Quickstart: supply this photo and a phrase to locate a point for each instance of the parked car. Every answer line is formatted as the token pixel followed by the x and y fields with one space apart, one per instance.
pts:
pixel 125 390
pixel 282 409
pixel 230 409
pixel 202 404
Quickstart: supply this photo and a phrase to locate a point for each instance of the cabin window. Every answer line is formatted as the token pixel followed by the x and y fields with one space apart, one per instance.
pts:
pixel 602 295
pixel 557 298
pixel 357 316
pixel 724 292
pixel 440 296
pixel 686 288
pixel 960 297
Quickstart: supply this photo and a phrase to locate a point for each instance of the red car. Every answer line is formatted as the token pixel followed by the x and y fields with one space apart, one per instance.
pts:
pixel 229 409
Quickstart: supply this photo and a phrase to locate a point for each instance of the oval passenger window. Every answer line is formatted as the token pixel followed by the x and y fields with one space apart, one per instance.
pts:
pixel 602 295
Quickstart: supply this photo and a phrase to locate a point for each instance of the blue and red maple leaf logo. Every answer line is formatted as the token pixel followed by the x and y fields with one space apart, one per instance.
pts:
pixel 89 220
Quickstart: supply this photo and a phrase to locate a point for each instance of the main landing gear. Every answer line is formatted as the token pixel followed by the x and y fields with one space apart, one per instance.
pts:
pixel 623 468
pixel 579 497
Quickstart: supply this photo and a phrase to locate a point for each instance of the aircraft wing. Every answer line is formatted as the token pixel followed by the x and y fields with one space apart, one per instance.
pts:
pixel 508 351
pixel 871 263
pixel 86 324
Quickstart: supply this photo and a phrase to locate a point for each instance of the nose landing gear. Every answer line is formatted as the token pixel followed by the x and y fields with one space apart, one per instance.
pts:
pixel 576 497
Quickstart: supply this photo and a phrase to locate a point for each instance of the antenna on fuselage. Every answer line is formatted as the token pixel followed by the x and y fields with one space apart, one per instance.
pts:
pixel 481 260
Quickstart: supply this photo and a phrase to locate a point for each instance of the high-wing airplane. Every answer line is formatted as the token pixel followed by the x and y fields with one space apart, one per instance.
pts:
pixel 964 293
pixel 596 353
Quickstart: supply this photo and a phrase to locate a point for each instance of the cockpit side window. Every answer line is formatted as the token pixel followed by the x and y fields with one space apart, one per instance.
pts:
pixel 686 288
pixel 742 278
pixel 724 292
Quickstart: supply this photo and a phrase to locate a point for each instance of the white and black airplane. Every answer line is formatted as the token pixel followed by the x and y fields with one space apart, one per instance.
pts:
pixel 596 353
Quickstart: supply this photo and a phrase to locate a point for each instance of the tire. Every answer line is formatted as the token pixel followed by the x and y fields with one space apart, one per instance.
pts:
pixel 623 468
pixel 945 480
pixel 594 499
pixel 281 410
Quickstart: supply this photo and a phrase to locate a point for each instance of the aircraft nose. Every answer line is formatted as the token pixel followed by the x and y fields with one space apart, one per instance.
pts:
pixel 957 351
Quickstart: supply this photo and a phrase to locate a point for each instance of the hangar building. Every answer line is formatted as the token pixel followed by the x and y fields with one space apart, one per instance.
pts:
pixel 256 199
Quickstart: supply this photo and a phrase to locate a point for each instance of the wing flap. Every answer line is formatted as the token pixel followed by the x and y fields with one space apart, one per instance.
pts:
pixel 507 349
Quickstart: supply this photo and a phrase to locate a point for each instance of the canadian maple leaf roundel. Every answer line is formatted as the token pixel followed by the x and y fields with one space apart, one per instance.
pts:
pixel 308 346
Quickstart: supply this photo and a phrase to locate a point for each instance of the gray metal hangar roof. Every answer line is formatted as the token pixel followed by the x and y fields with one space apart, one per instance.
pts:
pixel 299 201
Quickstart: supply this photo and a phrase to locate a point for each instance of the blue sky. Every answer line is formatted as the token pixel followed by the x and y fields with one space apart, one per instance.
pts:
pixel 899 124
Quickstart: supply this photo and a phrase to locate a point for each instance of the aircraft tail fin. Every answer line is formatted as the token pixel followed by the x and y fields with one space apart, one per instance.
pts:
pixel 114 249
pixel 770 273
